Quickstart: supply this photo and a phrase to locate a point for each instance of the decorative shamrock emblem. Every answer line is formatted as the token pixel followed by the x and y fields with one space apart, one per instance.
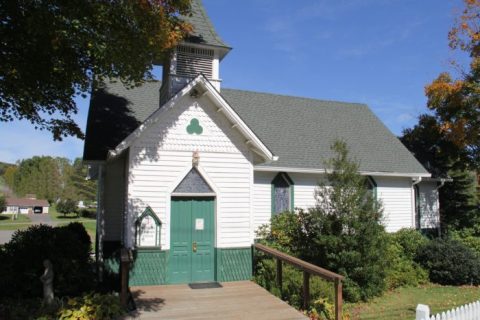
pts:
pixel 194 127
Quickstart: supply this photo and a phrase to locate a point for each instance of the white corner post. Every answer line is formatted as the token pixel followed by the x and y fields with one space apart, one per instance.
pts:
pixel 423 312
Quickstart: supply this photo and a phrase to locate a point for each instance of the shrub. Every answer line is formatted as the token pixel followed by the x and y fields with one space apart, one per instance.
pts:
pixel 468 237
pixel 284 233
pixel 410 240
pixel 402 270
pixel 449 262
pixel 92 306
pixel 87 213
pixel 67 247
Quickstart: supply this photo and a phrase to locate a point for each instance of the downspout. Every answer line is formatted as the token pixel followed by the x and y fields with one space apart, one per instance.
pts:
pixel 414 203
pixel 442 183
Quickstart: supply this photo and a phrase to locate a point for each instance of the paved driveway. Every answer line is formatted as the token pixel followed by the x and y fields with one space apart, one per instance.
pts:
pixel 42 219
pixel 6 235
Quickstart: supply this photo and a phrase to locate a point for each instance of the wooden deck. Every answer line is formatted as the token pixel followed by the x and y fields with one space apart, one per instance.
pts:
pixel 235 300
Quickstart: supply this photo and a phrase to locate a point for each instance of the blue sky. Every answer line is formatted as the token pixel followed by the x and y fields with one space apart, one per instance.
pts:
pixel 378 52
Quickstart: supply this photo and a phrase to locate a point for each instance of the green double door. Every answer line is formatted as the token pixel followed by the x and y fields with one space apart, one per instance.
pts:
pixel 192 238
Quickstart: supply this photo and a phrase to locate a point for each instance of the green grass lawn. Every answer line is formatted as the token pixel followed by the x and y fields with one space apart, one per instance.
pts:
pixel 6 222
pixel 401 303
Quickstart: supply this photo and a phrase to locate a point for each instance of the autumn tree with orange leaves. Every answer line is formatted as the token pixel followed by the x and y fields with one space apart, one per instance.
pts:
pixel 456 102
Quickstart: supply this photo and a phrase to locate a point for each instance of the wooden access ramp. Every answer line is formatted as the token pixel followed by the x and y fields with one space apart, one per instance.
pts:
pixel 234 300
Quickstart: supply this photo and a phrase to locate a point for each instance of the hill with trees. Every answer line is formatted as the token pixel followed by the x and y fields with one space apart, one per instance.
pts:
pixel 50 178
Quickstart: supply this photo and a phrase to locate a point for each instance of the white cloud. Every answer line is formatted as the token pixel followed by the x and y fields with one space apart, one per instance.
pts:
pixel 404 118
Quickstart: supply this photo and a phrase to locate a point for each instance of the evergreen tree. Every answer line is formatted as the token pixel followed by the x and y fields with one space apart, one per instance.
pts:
pixel 345 230
pixel 459 202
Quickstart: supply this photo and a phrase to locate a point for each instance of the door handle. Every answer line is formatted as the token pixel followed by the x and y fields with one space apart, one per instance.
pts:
pixel 194 246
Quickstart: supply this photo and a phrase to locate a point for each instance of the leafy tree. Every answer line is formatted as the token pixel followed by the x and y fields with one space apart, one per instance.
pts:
pixel 456 102
pixel 53 51
pixel 9 175
pixel 86 189
pixel 429 144
pixel 3 202
pixel 67 206
pixel 40 176
pixel 52 179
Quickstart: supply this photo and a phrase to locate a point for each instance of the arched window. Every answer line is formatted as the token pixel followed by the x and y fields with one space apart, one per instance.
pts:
pixel 372 186
pixel 282 193
pixel 418 207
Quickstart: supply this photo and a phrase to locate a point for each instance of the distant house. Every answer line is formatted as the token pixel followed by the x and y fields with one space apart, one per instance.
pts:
pixel 26 205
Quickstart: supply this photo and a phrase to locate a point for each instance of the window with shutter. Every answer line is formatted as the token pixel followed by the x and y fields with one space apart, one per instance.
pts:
pixel 282 193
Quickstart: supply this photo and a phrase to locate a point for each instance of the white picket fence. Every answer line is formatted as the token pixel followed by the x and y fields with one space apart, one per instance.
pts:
pixel 469 311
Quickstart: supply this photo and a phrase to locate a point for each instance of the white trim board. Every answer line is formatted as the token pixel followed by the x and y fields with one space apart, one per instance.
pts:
pixel 204 87
pixel 321 171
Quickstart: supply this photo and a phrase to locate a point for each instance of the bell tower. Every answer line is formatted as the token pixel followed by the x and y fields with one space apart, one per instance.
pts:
pixel 200 53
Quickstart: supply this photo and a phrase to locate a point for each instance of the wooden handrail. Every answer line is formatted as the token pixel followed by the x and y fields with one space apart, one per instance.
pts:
pixel 307 269
pixel 303 265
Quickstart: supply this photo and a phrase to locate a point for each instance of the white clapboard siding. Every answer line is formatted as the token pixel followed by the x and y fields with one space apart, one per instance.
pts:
pixel 469 311
pixel 396 195
pixel 114 198
pixel 429 204
pixel 305 185
pixel 162 156
pixel 262 198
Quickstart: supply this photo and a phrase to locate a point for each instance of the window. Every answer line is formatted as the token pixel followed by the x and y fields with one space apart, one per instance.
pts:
pixel 282 193
pixel 371 186
pixel 418 207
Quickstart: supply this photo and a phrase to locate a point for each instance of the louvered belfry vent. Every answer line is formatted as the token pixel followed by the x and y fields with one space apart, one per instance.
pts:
pixel 192 61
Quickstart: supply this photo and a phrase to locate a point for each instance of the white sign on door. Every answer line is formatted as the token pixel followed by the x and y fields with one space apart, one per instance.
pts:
pixel 199 224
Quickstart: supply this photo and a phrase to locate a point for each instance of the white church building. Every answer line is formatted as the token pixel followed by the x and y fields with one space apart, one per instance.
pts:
pixel 189 170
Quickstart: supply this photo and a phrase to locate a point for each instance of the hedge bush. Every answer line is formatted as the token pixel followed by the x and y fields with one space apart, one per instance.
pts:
pixel 449 262
pixel 410 240
pixel 402 270
pixel 470 237
pixel 67 247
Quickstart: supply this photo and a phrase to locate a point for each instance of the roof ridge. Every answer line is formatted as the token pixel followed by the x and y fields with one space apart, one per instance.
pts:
pixel 359 104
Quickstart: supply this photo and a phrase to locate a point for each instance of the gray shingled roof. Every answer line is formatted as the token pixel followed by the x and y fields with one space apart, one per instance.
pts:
pixel 297 130
pixel 300 131
pixel 203 30
pixel 114 113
